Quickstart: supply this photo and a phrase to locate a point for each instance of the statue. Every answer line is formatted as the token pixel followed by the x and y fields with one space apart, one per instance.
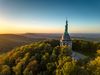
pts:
pixel 66 27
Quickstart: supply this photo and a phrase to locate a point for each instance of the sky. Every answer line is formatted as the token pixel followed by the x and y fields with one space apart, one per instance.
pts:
pixel 49 16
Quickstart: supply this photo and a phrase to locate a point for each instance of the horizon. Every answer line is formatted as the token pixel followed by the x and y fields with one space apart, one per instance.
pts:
pixel 45 33
pixel 47 16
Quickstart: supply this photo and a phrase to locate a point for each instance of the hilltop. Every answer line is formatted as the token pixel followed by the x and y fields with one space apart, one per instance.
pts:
pixel 48 58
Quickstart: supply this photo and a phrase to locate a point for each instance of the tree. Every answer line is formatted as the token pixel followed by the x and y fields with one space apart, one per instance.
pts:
pixel 98 53
pixel 94 66
pixel 18 68
pixel 5 70
pixel 66 66
pixel 50 68
pixel 32 68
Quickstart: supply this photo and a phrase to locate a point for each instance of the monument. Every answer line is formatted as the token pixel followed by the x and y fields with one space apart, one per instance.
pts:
pixel 66 40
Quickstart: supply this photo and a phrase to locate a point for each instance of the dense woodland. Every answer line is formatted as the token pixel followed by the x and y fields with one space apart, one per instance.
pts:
pixel 48 58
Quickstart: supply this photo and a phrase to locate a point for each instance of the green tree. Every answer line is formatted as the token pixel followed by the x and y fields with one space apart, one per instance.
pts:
pixel 66 66
pixel 94 66
pixel 18 68
pixel 5 70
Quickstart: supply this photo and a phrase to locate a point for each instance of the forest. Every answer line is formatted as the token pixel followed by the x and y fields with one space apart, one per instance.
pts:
pixel 49 58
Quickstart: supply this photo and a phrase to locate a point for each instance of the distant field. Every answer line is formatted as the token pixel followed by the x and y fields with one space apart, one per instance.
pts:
pixel 86 36
pixel 10 41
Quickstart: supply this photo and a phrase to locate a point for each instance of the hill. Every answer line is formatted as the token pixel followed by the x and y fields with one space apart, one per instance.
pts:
pixel 46 58
pixel 42 35
pixel 81 36
pixel 10 41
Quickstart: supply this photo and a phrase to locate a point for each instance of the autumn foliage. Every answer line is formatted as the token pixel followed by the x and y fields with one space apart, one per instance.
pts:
pixel 47 58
